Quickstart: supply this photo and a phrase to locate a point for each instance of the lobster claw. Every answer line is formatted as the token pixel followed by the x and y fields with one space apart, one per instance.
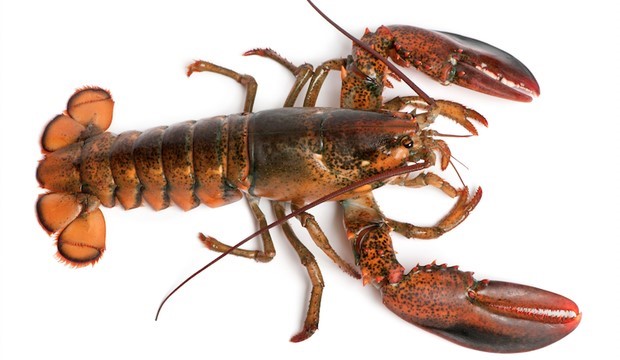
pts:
pixel 484 315
pixel 452 58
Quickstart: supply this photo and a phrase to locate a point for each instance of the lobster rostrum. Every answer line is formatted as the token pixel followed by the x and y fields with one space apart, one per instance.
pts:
pixel 294 156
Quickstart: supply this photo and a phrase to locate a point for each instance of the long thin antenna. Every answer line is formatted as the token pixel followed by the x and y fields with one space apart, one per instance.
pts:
pixel 374 53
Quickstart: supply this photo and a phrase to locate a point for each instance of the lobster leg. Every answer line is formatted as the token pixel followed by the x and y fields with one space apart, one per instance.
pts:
pixel 320 74
pixel 311 323
pixel 366 226
pixel 249 82
pixel 426 179
pixel 246 80
pixel 302 73
pixel 319 238
pixel 457 215
pixel 268 252
pixel 353 88
pixel 450 109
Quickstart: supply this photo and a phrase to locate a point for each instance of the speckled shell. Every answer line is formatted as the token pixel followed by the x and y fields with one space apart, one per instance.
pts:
pixel 290 154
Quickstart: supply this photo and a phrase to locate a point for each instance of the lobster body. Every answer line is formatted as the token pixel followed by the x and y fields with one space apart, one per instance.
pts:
pixel 294 155
pixel 287 154
pixel 302 156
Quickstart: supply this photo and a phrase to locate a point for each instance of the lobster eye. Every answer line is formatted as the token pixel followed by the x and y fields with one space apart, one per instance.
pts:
pixel 406 142
pixel 373 86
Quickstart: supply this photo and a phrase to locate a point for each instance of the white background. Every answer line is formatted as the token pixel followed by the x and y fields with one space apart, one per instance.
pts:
pixel 548 217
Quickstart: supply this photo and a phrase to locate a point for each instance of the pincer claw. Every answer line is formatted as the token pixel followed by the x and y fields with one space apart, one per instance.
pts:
pixel 484 315
pixel 453 58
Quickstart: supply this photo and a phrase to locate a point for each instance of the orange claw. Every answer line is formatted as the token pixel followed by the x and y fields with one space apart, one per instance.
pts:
pixel 447 58
pixel 484 315
pixel 451 58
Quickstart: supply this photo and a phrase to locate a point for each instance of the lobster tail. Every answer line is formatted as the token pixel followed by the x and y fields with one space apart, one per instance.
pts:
pixel 78 224
pixel 89 112
pixel 68 213
pixel 85 166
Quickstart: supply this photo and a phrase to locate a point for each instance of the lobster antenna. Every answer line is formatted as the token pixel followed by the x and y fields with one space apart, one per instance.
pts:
pixel 435 133
pixel 460 162
pixel 456 170
pixel 374 53
pixel 378 177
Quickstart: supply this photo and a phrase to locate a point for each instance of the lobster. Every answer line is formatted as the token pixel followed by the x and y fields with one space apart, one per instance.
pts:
pixel 296 156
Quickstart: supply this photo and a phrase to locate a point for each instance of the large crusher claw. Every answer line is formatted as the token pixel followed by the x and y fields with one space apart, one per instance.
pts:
pixel 485 315
pixel 451 58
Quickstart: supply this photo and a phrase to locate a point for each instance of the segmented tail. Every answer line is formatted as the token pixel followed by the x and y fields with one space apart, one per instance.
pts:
pixel 72 216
